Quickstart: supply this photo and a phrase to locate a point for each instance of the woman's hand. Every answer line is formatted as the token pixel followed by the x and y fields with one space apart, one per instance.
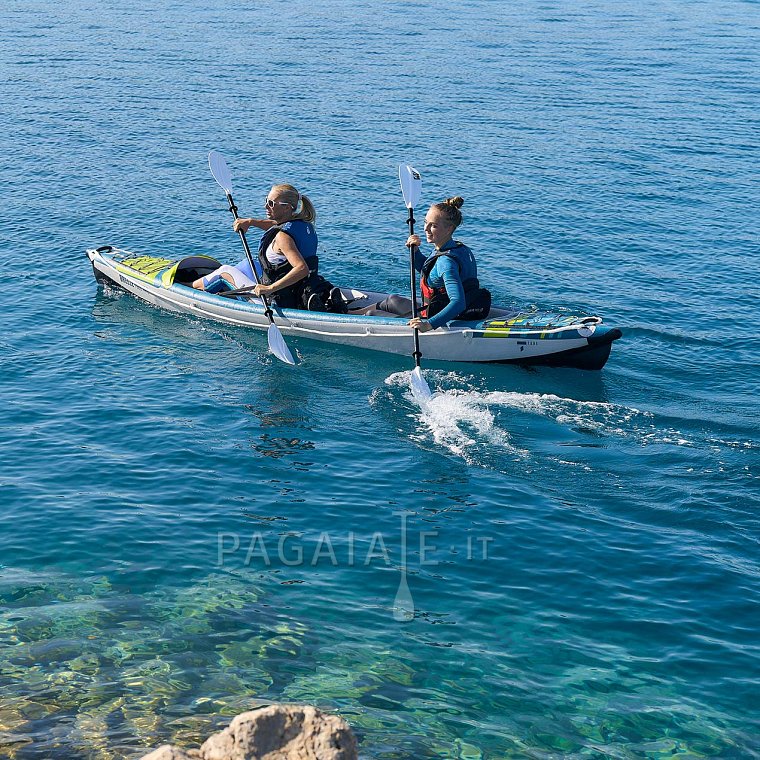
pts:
pixel 263 290
pixel 421 324
pixel 413 240
pixel 242 225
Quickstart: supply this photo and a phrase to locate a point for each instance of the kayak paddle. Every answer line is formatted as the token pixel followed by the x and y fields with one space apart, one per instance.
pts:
pixel 411 186
pixel 221 173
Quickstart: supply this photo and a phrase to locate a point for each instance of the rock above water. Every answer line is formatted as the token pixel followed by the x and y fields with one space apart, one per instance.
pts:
pixel 167 752
pixel 276 732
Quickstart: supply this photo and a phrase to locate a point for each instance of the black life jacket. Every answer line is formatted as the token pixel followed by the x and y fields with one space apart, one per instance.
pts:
pixel 435 300
pixel 292 296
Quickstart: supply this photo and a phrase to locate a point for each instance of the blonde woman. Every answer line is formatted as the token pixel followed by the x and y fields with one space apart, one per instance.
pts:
pixel 287 251
pixel 449 276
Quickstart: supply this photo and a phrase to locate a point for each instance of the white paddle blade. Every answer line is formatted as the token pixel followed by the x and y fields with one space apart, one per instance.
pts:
pixel 411 184
pixel 278 346
pixel 420 388
pixel 220 170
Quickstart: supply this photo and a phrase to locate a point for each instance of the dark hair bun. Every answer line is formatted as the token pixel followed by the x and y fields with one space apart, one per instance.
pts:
pixel 457 201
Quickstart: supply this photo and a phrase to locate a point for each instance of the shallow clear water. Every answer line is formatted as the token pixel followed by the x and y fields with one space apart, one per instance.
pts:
pixel 190 527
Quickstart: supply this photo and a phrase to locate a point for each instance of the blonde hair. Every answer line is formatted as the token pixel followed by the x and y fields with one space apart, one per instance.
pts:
pixel 450 208
pixel 290 195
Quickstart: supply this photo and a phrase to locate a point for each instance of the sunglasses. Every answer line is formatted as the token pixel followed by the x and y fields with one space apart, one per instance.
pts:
pixel 271 204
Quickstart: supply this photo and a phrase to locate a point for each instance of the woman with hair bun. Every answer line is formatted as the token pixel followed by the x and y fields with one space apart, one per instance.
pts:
pixel 449 276
pixel 287 257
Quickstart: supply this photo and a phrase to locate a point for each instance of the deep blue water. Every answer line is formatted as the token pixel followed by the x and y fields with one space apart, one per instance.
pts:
pixel 607 153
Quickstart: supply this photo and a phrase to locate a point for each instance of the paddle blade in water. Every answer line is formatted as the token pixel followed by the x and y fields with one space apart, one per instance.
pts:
pixel 220 170
pixel 277 345
pixel 420 388
pixel 411 184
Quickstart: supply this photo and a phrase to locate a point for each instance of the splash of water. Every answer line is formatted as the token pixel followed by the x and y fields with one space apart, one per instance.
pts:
pixel 457 420
pixel 462 419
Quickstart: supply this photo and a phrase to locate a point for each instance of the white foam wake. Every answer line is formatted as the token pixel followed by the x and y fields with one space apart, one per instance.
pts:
pixel 463 419
pixel 455 419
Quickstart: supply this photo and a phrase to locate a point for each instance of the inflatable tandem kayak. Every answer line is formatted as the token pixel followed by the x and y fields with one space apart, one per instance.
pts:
pixel 505 336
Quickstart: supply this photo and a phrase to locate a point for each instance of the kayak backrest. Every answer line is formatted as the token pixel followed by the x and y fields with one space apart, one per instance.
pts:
pixel 194 267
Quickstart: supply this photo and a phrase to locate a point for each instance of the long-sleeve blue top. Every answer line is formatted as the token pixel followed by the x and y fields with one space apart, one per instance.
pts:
pixel 449 273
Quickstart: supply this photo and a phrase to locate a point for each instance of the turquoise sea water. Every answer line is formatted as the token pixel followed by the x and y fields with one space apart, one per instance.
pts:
pixel 190 527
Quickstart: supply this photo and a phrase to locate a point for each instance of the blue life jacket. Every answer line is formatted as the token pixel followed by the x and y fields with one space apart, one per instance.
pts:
pixel 434 296
pixel 305 237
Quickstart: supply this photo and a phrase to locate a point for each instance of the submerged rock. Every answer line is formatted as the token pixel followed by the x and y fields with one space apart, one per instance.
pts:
pixel 276 732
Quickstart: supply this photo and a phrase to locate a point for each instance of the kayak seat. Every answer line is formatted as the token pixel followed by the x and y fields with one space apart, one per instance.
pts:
pixel 193 268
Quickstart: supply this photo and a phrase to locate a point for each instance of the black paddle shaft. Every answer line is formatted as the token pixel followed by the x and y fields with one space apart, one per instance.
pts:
pixel 417 354
pixel 234 212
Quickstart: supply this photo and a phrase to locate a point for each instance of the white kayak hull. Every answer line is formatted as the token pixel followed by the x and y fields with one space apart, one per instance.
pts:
pixel 505 336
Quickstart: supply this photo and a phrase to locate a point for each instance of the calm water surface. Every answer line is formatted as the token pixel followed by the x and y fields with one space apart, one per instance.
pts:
pixel 190 528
